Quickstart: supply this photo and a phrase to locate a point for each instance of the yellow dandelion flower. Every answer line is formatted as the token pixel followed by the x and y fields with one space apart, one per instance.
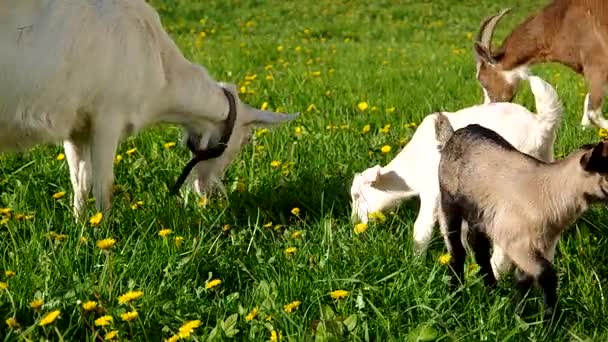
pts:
pixel 111 335
pixel 311 107
pixel 169 144
pixel 275 336
pixel 469 35
pixel 295 211
pixel 173 338
pixel 298 130
pixel 603 133
pixel 339 294
pixel 59 194
pixel 275 164
pixel 296 235
pixel 203 201
pixel 37 303
pixel 268 225
pixel 6 211
pixel 117 159
pixel 9 274
pixel 131 151
pixel 366 129
pixel 137 205
pixel 377 216
pixel 269 77
pixel 261 132
pixel 129 316
pixel 252 314
pixel 363 106
pixel 390 110
pixel 385 129
pixel 104 321
pixel 445 259
pixel 280 48
pixel 3 285
pixel 84 240
pixel 188 328
pixel 410 125
pixel 360 228
pixel 268 67
pixel 130 296
pixel 89 306
pixel 49 318
pixel 473 268
pixel 178 241
pixel 4 220
pixel 290 250
pixel 60 156
pixel 213 283
pixel 165 232
pixel 95 220
pixel 264 106
pixel 385 149
pixel 12 323
pixel 291 306
pixel 226 228
pixel 315 73
pixel 106 244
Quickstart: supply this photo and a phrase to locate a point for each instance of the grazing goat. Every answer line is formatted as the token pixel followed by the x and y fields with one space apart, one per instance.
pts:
pixel 414 170
pixel 571 32
pixel 90 73
pixel 513 201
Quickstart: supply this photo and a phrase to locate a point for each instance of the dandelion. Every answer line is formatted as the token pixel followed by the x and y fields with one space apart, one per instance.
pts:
pixel 129 316
pixel 445 259
pixel 188 328
pixel 95 220
pixel 603 133
pixel 280 48
pixel 60 156
pixel 104 321
pixel 9 274
pixel 173 338
pixel 226 228
pixel 89 306
pixel 12 323
pixel 117 159
pixel 390 110
pixel 59 194
pixel 137 205
pixel 360 228
pixel 339 294
pixel 203 201
pixel 269 77
pixel 377 216
pixel 289 308
pixel 261 132
pixel 410 125
pixel 366 129
pixel 275 164
pixel 268 67
pixel 295 211
pixel 469 35
pixel 4 220
pixel 363 106
pixel 296 235
pixel 37 303
pixel 49 318
pixel 473 268
pixel 178 241
pixel 106 244
pixel 213 283
pixel 297 131
pixel 131 151
pixel 264 106
pixel 165 232
pixel 385 129
pixel 252 314
pixel 315 73
pixel 274 336
pixel 130 296
pixel 169 144
pixel 111 335
pixel 290 250
pixel 84 240
pixel 6 211
pixel 385 149
pixel 311 107
pixel 3 285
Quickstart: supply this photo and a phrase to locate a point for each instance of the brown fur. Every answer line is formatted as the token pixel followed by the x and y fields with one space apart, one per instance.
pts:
pixel 571 32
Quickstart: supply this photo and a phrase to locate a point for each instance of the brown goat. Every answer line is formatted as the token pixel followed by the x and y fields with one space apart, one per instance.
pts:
pixel 514 201
pixel 570 32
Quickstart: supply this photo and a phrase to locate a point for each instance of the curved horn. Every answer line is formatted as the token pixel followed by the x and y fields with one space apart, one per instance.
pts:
pixel 486 30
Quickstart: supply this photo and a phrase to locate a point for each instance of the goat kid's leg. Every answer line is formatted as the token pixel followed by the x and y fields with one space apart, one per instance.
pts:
pixel 481 248
pixel 425 222
pixel 594 100
pixel 547 280
pixel 451 225
pixel 103 149
pixel 501 263
pixel 78 158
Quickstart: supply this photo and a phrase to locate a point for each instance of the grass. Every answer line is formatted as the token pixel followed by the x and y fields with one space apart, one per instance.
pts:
pixel 324 58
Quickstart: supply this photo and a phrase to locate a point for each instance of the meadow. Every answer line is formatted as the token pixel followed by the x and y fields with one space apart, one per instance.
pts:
pixel 278 259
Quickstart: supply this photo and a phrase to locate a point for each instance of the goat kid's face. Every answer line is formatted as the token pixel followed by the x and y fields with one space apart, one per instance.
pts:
pixel 365 197
pixel 208 173
pixel 595 164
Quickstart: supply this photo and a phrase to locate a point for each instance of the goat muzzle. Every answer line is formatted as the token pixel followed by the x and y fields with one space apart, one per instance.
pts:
pixel 211 152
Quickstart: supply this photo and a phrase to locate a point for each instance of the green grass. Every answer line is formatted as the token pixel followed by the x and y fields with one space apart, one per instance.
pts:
pixel 410 55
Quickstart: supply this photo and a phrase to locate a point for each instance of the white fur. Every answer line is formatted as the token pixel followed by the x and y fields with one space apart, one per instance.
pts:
pixel 90 73
pixel 414 170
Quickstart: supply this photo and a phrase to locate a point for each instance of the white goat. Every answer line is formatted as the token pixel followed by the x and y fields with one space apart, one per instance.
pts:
pixel 413 172
pixel 90 73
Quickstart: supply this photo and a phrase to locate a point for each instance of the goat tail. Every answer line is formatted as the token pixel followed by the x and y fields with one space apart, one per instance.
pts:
pixel 443 129
pixel 548 104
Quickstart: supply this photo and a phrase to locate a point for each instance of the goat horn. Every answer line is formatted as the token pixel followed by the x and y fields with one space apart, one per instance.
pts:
pixel 486 31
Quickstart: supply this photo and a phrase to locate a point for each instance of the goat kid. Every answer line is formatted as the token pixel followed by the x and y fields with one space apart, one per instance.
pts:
pixel 573 33
pixel 513 201
pixel 91 85
pixel 413 172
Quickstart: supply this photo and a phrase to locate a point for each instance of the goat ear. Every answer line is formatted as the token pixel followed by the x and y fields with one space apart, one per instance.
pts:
pixel 596 160
pixel 389 181
pixel 483 54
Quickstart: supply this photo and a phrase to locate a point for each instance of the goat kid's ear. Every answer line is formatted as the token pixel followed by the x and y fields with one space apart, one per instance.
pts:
pixel 483 54
pixel 596 160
